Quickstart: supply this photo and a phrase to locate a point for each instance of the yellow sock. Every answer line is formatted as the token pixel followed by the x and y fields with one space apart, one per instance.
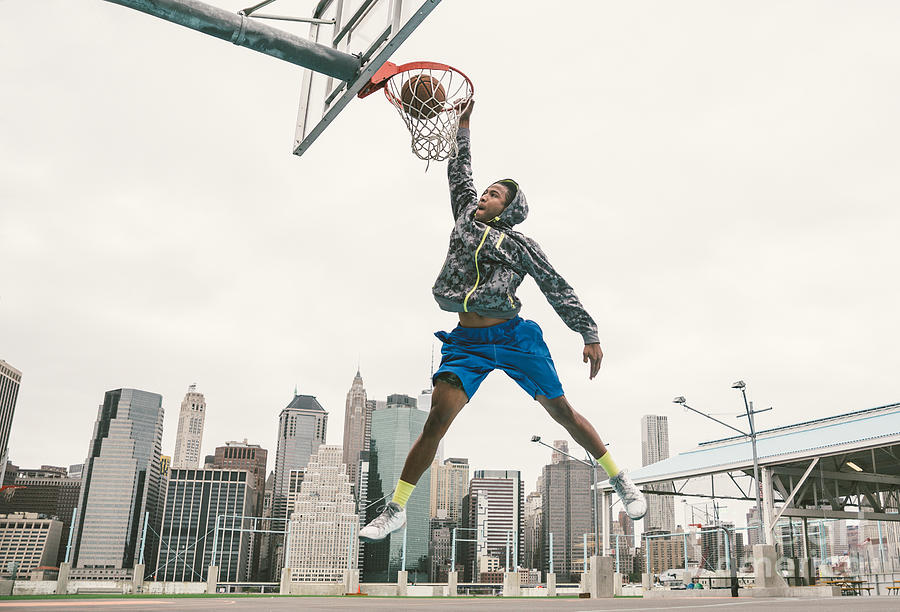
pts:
pixel 402 493
pixel 607 463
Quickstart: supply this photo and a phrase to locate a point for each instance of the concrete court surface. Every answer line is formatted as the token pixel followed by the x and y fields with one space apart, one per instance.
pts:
pixel 316 604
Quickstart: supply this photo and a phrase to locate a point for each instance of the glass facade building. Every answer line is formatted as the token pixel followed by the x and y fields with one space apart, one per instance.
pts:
pixel 120 484
pixel 568 514
pixel 194 500
pixel 394 429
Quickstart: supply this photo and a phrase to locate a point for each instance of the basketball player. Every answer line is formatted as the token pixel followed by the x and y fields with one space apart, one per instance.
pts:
pixel 486 262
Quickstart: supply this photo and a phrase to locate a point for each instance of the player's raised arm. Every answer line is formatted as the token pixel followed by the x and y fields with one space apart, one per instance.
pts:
pixel 459 169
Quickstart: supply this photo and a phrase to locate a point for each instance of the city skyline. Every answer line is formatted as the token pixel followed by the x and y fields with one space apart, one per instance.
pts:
pixel 724 234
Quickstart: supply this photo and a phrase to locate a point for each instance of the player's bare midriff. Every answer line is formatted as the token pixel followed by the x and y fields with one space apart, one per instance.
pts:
pixel 473 319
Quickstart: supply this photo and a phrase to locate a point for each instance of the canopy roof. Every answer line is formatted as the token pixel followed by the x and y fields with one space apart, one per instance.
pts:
pixel 841 434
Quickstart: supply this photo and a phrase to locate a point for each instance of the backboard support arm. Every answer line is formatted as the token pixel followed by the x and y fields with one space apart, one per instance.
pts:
pixel 245 32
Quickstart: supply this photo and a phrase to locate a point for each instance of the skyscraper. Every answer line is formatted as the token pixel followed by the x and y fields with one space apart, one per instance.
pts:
pixel 533 519
pixel 655 447
pixel 251 457
pixel 449 484
pixel 394 429
pixel 324 525
pixel 302 426
pixel 10 378
pixel 120 486
pixel 357 429
pixel 504 494
pixel 567 513
pixel 190 430
pixel 191 528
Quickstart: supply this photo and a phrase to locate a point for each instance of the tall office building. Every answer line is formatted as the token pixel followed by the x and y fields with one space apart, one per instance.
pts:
pixel 504 494
pixel 567 513
pixel 30 540
pixel 302 426
pixel 192 531
pixel 10 378
pixel 394 429
pixel 357 429
pixel 47 491
pixel 449 484
pixel 324 524
pixel 534 508
pixel 251 457
pixel 190 430
pixel 655 447
pixel 120 486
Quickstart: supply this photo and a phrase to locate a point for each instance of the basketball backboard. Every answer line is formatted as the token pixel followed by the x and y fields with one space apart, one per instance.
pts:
pixel 370 29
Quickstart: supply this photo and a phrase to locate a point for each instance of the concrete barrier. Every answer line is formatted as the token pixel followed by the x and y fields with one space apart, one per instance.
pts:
pixel 351 581
pixel 765 567
pixel 62 579
pixel 212 578
pixel 512 586
pixel 602 578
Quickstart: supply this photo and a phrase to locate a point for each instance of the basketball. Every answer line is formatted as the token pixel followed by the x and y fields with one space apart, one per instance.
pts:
pixel 423 97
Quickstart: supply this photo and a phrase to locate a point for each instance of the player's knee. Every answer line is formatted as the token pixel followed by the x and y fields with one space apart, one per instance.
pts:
pixel 435 425
pixel 560 410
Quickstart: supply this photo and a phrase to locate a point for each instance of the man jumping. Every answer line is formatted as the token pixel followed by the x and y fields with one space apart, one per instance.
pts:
pixel 486 262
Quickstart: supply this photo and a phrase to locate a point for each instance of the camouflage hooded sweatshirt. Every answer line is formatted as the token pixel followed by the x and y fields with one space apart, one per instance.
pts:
pixel 486 262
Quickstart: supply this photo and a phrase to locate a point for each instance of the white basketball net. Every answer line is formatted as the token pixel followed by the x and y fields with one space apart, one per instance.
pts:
pixel 434 129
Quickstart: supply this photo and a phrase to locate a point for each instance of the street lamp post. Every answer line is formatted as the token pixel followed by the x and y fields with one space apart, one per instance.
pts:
pixel 594 503
pixel 749 412
pixel 748 407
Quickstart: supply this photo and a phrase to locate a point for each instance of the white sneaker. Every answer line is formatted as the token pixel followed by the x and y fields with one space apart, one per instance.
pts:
pixel 391 519
pixel 632 498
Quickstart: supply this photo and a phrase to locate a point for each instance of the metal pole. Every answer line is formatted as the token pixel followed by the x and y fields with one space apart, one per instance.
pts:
pixel 515 547
pixel 749 408
pixel 604 509
pixel 596 510
pixel 350 547
pixel 617 553
pixel 246 32
pixel 551 552
pixel 71 531
pixel 453 551
pixel 507 550
pixel 215 540
pixel 403 558
pixel 685 551
pixel 144 535
pixel 584 537
pixel 287 545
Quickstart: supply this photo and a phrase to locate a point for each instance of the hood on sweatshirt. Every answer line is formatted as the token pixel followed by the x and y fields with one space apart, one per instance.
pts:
pixel 516 211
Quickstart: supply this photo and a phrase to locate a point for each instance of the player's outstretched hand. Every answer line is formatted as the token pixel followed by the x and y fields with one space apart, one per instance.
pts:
pixel 466 106
pixel 593 353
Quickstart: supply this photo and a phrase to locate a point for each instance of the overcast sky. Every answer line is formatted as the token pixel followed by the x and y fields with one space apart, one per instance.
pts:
pixel 717 180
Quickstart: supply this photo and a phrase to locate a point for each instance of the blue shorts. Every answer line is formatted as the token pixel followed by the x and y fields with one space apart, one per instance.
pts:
pixel 516 346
